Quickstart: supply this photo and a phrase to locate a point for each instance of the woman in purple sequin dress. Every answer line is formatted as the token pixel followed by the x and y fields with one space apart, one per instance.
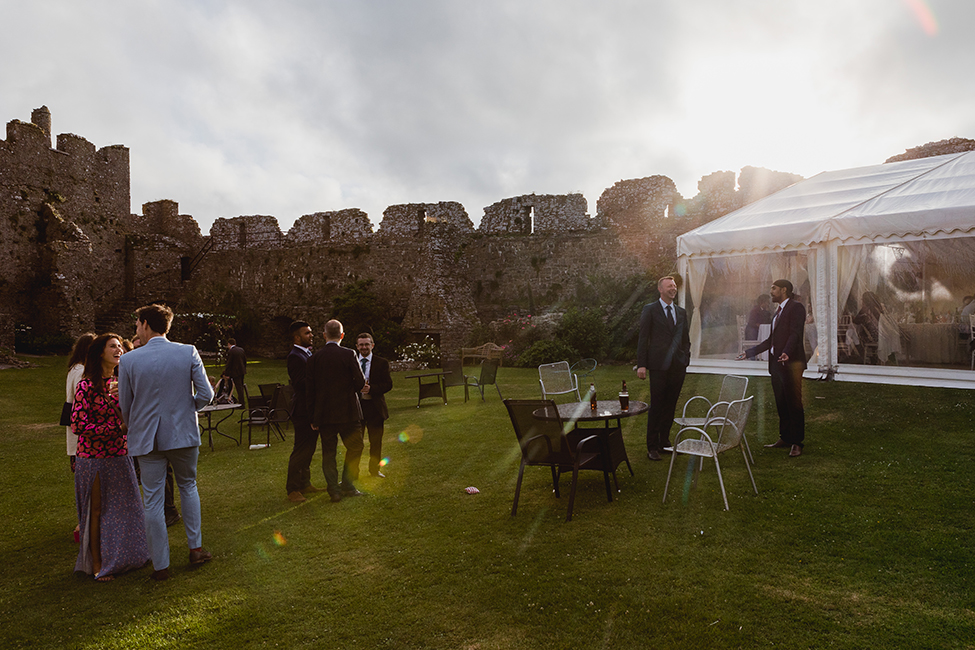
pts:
pixel 113 532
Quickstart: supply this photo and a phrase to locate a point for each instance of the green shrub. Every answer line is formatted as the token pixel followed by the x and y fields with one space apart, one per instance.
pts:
pixel 361 310
pixel 546 352
pixel 584 331
pixel 29 341
pixel 515 334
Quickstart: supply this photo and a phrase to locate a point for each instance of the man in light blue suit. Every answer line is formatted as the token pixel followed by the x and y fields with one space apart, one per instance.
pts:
pixel 161 386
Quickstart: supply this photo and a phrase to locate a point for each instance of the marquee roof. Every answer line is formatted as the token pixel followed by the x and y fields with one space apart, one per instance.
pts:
pixel 914 199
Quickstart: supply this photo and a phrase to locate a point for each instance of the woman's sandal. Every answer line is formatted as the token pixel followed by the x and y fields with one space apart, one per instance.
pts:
pixel 104 578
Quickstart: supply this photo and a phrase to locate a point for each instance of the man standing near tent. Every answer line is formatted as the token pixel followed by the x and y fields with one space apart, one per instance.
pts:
pixel 786 362
pixel 663 352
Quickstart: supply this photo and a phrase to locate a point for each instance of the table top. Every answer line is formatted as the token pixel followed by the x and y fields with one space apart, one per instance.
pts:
pixel 219 407
pixel 430 373
pixel 606 409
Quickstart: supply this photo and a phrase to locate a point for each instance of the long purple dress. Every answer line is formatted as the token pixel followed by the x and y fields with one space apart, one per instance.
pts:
pixel 102 453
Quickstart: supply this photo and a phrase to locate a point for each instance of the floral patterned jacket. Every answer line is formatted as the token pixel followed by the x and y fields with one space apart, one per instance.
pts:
pixel 96 421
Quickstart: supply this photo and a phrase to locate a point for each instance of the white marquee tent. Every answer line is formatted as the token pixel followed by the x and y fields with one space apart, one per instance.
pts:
pixel 904 232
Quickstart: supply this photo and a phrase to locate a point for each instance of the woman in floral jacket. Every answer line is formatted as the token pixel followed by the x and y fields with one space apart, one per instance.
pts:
pixel 113 534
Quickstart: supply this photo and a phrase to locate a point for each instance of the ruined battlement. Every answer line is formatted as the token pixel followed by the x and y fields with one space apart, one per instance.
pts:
pixel 255 231
pixel 163 218
pixel 637 203
pixel 536 213
pixel 342 226
pixel 410 220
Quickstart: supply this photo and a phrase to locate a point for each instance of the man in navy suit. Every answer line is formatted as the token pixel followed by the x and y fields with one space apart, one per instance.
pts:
pixel 333 380
pixel 786 362
pixel 305 440
pixel 379 381
pixel 236 367
pixel 161 386
pixel 663 352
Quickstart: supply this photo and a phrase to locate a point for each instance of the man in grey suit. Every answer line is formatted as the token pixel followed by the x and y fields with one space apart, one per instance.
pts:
pixel 161 386
pixel 663 352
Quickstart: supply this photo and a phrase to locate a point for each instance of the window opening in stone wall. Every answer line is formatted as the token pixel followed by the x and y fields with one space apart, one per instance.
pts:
pixel 421 218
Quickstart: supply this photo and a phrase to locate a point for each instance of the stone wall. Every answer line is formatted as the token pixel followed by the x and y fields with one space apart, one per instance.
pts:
pixel 940 148
pixel 62 212
pixel 77 260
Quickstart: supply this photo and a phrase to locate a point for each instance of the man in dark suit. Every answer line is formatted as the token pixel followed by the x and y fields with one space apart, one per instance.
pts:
pixel 333 380
pixel 373 399
pixel 786 362
pixel 236 367
pixel 305 440
pixel 663 352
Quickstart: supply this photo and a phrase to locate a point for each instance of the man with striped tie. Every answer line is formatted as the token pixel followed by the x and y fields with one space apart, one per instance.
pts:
pixel 786 363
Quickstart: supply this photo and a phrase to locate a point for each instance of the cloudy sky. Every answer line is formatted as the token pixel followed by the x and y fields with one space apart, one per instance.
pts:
pixel 297 106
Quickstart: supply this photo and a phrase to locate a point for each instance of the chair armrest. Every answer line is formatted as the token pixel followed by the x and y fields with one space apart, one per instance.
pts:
pixel 711 411
pixel 579 445
pixel 279 415
pixel 700 432
pixel 688 402
pixel 529 441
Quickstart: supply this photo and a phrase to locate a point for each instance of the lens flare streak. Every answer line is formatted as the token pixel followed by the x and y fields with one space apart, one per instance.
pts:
pixel 924 15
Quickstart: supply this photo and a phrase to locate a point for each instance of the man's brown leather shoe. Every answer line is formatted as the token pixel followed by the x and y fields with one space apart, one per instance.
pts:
pixel 199 556
pixel 653 454
pixel 778 444
pixel 795 451
pixel 160 575
pixel 296 497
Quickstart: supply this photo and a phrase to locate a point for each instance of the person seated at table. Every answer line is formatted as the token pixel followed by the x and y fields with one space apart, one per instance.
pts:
pixel 759 315
pixel 113 530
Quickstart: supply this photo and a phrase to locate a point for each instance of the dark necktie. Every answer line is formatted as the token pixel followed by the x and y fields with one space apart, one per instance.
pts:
pixel 364 363
pixel 776 317
pixel 670 315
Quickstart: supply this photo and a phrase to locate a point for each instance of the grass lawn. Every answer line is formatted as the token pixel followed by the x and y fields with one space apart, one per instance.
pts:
pixel 866 541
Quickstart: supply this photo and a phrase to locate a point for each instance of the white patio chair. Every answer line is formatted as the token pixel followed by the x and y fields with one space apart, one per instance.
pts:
pixel 733 387
pixel 556 379
pixel 728 434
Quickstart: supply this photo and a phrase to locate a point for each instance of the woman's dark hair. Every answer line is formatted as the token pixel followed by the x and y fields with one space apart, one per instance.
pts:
pixel 93 364
pixel 79 353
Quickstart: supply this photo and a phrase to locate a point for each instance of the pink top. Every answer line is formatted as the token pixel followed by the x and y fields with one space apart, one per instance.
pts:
pixel 95 418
